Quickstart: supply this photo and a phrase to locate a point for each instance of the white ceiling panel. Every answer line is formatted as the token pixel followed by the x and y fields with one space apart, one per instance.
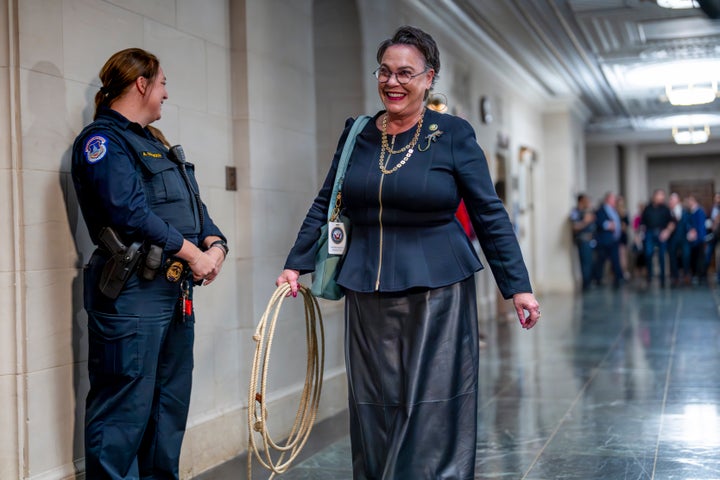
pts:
pixel 589 47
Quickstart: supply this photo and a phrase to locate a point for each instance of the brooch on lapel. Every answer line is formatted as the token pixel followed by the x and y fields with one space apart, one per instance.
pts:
pixel 431 137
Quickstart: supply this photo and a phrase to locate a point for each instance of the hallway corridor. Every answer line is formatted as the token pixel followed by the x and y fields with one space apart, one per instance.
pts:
pixel 612 385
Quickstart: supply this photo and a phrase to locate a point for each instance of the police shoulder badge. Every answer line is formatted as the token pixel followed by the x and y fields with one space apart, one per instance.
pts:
pixel 95 148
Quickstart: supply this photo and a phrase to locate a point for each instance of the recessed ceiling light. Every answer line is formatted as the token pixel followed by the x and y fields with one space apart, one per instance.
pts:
pixel 678 72
pixel 691 94
pixel 670 121
pixel 691 136
pixel 677 4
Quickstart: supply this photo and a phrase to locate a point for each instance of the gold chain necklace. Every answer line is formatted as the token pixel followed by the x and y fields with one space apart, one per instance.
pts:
pixel 410 147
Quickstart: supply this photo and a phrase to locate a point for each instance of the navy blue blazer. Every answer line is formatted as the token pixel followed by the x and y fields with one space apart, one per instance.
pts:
pixel 603 236
pixel 404 231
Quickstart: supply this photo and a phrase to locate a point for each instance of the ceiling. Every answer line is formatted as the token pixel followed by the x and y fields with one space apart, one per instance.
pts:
pixel 603 52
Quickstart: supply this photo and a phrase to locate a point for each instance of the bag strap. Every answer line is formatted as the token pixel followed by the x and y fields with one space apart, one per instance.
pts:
pixel 334 209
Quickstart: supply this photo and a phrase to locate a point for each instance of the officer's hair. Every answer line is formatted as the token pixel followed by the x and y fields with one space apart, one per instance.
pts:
pixel 120 72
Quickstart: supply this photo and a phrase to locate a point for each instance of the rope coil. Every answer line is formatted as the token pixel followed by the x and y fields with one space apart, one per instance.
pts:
pixel 307 410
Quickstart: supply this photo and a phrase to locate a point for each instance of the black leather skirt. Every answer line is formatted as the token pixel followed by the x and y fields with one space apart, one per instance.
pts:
pixel 412 365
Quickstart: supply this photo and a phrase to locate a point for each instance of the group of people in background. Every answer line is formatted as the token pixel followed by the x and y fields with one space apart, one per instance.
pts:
pixel 670 231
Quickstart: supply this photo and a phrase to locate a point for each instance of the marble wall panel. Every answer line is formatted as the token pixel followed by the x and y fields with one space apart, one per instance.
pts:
pixel 163 11
pixel 184 62
pixel 9 432
pixel 88 42
pixel 207 20
pixel 40 27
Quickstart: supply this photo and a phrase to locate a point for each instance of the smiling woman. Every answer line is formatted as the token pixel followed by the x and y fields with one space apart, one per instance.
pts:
pixel 409 63
pixel 408 273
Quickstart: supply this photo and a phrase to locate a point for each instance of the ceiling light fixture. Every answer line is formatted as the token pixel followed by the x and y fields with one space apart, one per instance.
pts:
pixel 692 94
pixel 667 122
pixel 690 136
pixel 677 4
pixel 677 72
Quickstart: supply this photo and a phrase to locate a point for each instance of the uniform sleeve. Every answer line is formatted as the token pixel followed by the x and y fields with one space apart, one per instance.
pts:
pixel 116 185
pixel 302 254
pixel 487 213
pixel 209 228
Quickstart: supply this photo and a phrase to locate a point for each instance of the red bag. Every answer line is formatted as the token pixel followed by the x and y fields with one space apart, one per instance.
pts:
pixel 464 218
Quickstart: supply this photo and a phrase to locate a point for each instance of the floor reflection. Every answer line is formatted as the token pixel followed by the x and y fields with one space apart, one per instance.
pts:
pixel 612 385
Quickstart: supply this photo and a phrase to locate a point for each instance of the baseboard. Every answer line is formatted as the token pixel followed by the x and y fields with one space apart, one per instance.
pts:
pixel 69 471
pixel 223 438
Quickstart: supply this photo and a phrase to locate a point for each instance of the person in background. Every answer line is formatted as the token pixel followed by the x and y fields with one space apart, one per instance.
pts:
pixel 637 246
pixel 657 225
pixel 696 238
pixel 582 219
pixel 624 227
pixel 714 236
pixel 608 229
pixel 678 246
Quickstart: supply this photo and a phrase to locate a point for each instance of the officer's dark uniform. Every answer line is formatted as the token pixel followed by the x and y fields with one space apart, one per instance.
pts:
pixel 140 354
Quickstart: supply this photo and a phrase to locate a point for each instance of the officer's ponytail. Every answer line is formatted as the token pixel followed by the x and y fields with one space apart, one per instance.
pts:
pixel 120 72
pixel 159 135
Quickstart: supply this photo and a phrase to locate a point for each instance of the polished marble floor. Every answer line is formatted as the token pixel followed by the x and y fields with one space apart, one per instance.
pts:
pixel 612 385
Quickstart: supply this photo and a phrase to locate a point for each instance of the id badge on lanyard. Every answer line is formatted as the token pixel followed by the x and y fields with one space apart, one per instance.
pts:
pixel 337 238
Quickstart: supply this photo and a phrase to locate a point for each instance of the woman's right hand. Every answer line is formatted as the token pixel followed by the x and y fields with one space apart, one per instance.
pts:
pixel 290 277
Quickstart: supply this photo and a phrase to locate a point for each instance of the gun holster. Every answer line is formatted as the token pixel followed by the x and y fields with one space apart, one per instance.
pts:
pixel 151 265
pixel 120 265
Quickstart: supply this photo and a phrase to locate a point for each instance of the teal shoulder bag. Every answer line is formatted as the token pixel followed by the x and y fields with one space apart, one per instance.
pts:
pixel 327 264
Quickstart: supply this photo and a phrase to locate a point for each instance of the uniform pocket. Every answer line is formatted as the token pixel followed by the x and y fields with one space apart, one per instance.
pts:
pixel 114 344
pixel 163 181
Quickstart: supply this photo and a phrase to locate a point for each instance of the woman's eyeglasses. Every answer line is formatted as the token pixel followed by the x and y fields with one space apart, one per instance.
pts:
pixel 403 77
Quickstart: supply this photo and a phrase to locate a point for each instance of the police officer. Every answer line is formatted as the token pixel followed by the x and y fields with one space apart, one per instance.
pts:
pixel 140 316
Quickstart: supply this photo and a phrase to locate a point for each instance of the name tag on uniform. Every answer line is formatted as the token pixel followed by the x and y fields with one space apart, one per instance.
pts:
pixel 336 238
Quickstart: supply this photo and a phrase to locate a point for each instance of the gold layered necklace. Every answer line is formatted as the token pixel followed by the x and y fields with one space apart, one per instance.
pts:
pixel 409 148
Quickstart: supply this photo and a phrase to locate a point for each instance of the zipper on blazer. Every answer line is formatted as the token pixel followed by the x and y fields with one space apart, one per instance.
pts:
pixel 380 254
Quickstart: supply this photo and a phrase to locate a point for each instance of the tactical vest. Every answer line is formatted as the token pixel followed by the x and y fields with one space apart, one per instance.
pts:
pixel 168 195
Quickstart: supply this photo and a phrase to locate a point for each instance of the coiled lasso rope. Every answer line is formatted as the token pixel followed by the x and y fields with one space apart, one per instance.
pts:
pixel 310 399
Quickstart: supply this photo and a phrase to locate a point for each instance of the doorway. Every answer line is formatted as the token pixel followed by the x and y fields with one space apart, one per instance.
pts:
pixel 698 175
pixel 702 190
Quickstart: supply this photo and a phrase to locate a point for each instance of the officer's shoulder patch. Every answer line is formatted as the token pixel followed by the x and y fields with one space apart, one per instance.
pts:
pixel 95 148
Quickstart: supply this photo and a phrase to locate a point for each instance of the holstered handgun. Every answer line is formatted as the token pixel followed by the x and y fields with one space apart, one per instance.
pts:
pixel 121 264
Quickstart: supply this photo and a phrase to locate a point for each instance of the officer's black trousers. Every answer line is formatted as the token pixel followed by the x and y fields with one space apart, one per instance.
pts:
pixel 140 363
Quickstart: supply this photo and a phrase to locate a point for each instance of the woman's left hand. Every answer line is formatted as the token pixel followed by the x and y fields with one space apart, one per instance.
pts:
pixel 218 257
pixel 526 302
